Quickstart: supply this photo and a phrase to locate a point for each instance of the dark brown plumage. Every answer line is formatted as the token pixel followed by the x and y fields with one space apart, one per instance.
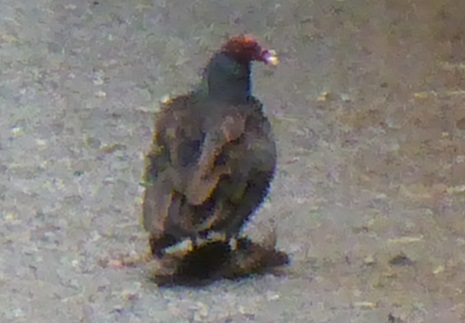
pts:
pixel 216 260
pixel 213 154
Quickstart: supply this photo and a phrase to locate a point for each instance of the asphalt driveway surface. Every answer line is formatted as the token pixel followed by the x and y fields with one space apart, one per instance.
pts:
pixel 368 110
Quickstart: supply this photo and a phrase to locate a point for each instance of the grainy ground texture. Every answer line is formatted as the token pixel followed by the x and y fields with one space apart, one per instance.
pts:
pixel 368 110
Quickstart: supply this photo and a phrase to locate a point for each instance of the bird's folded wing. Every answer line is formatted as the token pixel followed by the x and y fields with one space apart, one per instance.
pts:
pixel 156 202
pixel 159 184
pixel 206 175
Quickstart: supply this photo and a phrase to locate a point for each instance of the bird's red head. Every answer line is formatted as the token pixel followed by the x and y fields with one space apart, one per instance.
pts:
pixel 245 49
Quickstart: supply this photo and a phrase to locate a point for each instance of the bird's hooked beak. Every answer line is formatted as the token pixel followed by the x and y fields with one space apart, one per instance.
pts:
pixel 270 57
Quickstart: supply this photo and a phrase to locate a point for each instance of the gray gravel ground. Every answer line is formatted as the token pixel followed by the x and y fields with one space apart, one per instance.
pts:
pixel 367 106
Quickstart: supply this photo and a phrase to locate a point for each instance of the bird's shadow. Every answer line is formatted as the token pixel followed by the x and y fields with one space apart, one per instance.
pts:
pixel 216 261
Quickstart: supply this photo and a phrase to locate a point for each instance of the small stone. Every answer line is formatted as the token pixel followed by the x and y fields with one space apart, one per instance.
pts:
pixel 100 94
pixel 401 260
pixel 438 270
pixel 369 260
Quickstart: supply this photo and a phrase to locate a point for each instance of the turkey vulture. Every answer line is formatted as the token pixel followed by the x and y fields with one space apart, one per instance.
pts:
pixel 213 154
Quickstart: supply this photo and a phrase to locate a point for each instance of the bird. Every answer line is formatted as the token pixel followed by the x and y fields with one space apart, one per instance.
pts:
pixel 213 153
